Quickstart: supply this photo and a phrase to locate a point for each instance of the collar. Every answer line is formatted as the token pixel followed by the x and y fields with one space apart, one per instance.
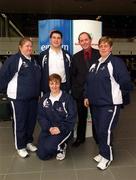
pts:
pixel 54 52
pixel 25 57
pixel 89 50
pixel 57 96
pixel 102 60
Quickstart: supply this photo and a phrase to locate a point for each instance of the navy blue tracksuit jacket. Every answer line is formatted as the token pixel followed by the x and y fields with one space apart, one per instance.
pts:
pixel 21 77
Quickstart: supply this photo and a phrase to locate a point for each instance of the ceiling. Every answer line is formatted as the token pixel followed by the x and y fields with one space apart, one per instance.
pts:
pixel 70 7
pixel 118 16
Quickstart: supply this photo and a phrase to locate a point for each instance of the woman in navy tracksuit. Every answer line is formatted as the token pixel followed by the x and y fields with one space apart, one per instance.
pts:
pixel 108 81
pixel 56 115
pixel 20 75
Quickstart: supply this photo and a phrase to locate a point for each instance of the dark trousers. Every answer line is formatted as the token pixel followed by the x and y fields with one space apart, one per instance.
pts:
pixel 24 120
pixel 105 119
pixel 82 119
pixel 93 128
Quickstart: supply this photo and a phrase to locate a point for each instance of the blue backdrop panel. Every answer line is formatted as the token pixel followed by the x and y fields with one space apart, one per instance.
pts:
pixel 46 26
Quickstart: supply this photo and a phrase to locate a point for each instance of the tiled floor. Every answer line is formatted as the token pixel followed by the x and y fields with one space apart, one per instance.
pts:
pixel 78 164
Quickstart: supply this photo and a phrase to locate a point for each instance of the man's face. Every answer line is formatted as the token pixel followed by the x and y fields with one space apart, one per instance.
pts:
pixel 85 41
pixel 56 40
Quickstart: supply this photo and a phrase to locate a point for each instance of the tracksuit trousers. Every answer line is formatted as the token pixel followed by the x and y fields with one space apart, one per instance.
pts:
pixel 105 119
pixel 24 121
pixel 49 145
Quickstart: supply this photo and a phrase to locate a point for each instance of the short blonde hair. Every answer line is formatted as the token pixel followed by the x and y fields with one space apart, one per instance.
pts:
pixel 24 40
pixel 106 39
pixel 55 77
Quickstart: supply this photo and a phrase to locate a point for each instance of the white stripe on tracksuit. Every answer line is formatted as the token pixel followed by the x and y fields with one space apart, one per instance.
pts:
pixel 59 145
pixel 14 118
pixel 109 132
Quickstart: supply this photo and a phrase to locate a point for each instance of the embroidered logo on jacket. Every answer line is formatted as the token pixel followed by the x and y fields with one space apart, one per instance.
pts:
pixel 60 109
pixel 24 64
pixel 110 110
pixel 46 103
pixel 102 68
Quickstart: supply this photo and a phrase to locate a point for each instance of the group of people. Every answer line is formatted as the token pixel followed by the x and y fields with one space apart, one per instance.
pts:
pixel 67 85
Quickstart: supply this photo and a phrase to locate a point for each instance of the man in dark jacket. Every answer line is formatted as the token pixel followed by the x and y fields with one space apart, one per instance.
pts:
pixel 81 63
pixel 55 60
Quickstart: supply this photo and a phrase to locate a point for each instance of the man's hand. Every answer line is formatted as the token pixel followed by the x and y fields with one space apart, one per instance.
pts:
pixel 86 102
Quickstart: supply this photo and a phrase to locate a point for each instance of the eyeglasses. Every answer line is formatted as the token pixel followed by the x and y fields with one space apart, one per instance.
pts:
pixel 104 46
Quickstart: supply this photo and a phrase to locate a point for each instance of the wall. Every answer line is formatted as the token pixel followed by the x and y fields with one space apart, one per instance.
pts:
pixel 124 47
pixel 9 46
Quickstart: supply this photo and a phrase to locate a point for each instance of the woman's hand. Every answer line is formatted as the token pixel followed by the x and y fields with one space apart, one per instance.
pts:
pixel 86 102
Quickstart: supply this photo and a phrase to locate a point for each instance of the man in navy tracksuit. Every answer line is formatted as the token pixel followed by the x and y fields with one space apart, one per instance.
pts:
pixel 108 81
pixel 55 60
pixel 20 75
pixel 56 115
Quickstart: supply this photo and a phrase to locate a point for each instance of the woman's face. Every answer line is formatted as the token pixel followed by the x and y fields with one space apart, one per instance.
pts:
pixel 26 48
pixel 104 49
pixel 54 86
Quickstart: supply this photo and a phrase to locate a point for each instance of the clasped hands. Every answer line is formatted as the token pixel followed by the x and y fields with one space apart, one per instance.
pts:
pixel 54 130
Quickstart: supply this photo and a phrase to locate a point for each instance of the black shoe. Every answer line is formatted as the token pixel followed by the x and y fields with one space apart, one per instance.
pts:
pixel 77 143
